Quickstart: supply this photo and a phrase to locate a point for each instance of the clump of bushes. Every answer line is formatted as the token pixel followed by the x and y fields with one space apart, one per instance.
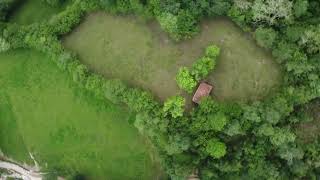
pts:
pixel 174 106
pixel 188 79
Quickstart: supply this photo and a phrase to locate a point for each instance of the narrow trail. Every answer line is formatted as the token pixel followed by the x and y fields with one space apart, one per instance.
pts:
pixel 25 174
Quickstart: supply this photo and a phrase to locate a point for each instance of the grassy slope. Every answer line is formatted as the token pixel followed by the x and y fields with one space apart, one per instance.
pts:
pixel 112 45
pixel 34 11
pixel 11 141
pixel 64 127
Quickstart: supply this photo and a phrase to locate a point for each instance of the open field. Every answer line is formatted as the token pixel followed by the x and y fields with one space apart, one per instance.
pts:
pixel 66 129
pixel 31 11
pixel 111 45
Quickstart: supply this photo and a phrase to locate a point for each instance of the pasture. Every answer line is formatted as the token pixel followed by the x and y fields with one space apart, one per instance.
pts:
pixel 67 130
pixel 111 45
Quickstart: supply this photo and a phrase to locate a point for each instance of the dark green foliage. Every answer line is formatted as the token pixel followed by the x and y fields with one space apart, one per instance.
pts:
pixel 6 6
pixel 300 7
pixel 53 2
pixel 265 37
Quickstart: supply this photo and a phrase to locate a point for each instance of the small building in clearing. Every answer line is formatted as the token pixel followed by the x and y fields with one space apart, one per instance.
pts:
pixel 203 90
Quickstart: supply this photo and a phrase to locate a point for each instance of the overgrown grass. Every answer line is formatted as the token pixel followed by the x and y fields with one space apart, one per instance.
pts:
pixel 141 54
pixel 31 11
pixel 67 130
pixel 310 131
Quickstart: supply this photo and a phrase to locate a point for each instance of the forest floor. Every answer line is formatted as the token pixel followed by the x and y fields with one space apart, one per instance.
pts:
pixel 66 129
pixel 141 54
pixel 309 131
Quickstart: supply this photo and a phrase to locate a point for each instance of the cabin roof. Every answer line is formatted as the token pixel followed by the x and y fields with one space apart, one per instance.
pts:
pixel 203 90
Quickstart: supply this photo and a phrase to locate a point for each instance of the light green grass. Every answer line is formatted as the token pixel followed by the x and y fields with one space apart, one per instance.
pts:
pixel 65 128
pixel 31 11
pixel 141 54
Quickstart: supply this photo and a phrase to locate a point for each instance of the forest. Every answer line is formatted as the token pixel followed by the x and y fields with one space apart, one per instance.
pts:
pixel 263 138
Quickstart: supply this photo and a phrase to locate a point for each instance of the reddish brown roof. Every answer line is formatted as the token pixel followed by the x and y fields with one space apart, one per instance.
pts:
pixel 203 90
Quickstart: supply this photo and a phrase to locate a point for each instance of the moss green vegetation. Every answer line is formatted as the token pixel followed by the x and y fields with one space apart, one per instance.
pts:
pixel 67 130
pixel 151 59
pixel 31 11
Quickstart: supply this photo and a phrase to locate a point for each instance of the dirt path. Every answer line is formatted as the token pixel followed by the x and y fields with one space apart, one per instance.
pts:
pixel 25 174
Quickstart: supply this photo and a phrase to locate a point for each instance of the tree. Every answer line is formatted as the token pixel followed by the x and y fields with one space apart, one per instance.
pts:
pixel 311 39
pixel 187 25
pixel 265 37
pixel 300 7
pixel 174 106
pixel 53 2
pixel 218 7
pixel 4 45
pixel 290 153
pixel 272 11
pixel 215 148
pixel 185 80
pixel 282 136
pixel 5 7
pixel 216 121
pixel 180 26
pixel 177 144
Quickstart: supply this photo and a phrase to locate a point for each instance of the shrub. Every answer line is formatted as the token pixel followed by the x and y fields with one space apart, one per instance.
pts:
pixel 212 51
pixel 139 101
pixel 114 90
pixel 185 80
pixel 4 45
pixel 202 67
pixel 188 79
pixel 174 106
pixel 265 37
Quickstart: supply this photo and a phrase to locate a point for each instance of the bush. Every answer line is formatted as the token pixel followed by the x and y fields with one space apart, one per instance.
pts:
pixel 202 67
pixel 212 51
pixel 265 37
pixel 4 45
pixel 188 79
pixel 174 106
pixel 185 80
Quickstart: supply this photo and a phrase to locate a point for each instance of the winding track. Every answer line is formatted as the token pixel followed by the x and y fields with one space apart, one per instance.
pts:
pixel 26 174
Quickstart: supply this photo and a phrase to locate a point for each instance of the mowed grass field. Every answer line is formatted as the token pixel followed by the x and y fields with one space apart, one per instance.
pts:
pixel 66 129
pixel 141 54
pixel 31 11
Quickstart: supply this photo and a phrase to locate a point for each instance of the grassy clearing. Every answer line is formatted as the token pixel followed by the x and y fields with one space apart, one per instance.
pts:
pixel 34 11
pixel 309 131
pixel 113 45
pixel 66 129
